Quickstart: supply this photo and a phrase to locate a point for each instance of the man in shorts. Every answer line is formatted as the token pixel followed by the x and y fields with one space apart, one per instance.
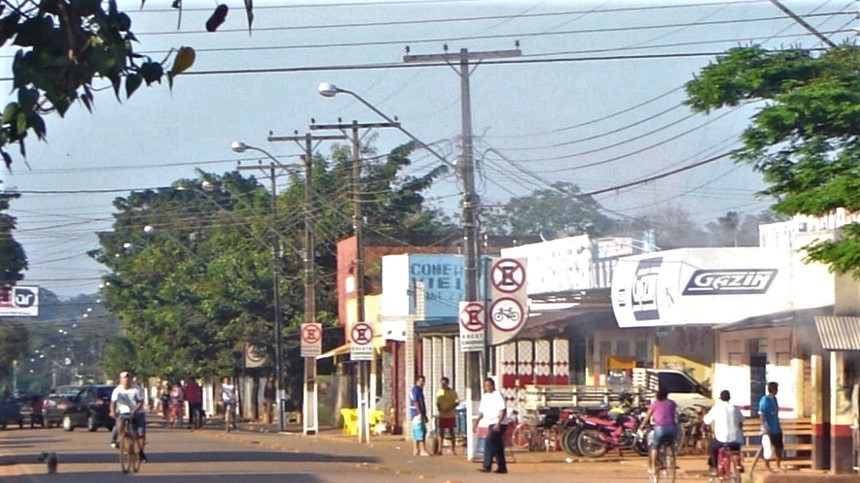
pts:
pixel 418 414
pixel 768 409
pixel 446 403
pixel 126 401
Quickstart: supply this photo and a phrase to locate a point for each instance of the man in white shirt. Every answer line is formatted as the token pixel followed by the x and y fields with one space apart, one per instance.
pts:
pixel 728 430
pixel 492 415
pixel 126 401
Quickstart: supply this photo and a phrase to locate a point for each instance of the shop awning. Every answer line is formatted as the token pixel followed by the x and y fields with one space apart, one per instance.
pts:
pixel 337 351
pixel 838 332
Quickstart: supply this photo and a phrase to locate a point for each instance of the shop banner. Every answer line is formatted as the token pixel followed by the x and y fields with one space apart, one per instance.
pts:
pixel 701 286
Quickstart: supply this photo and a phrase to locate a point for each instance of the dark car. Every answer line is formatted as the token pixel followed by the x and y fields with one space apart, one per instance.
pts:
pixel 56 403
pixel 10 413
pixel 90 408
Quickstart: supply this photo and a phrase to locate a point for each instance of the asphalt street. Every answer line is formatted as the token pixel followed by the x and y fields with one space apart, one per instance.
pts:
pixel 211 455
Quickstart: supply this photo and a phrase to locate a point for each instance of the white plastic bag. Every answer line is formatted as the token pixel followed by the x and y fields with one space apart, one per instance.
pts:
pixel 766 447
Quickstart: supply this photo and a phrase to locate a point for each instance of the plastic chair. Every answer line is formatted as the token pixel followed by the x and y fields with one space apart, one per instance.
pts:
pixel 350 421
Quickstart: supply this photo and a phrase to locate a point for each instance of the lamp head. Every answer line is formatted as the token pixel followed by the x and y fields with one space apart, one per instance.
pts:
pixel 149 229
pixel 238 147
pixel 327 90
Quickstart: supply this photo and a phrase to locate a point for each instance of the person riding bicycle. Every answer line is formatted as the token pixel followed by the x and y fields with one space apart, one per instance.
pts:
pixel 665 424
pixel 126 403
pixel 228 397
pixel 728 430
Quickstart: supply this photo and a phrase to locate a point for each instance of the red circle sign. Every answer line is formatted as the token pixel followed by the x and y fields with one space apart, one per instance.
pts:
pixel 311 334
pixel 508 275
pixel 362 333
pixel 472 317
pixel 507 314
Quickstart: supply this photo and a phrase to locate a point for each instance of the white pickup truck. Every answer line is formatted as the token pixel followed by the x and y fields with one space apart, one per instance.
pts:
pixel 683 389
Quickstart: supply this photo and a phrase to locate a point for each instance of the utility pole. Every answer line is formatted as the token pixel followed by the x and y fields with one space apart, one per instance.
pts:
pixel 363 369
pixel 310 418
pixel 471 203
pixel 276 286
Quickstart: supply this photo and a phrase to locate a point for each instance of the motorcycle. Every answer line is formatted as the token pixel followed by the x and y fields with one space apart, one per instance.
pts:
pixel 599 434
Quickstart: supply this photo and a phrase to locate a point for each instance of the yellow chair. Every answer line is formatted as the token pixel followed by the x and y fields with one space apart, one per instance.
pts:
pixel 376 416
pixel 350 421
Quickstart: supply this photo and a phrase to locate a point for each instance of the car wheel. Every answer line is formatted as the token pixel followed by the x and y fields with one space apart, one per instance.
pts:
pixel 67 423
pixel 91 423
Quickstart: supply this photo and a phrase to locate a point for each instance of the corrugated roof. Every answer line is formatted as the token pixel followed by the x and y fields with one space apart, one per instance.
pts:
pixel 839 332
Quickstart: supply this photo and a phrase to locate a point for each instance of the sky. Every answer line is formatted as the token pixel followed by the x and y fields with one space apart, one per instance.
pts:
pixel 595 99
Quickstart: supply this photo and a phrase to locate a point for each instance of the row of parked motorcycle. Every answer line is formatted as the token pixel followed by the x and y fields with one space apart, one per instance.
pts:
pixel 592 432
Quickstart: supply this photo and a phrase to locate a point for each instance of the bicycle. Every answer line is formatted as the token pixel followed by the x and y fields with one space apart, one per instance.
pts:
pixel 728 470
pixel 666 463
pixel 129 450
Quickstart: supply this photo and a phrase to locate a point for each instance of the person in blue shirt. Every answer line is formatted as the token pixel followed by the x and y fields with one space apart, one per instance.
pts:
pixel 768 409
pixel 418 414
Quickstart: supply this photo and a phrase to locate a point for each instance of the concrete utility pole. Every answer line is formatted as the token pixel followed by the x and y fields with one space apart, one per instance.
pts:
pixel 363 372
pixel 276 297
pixel 471 203
pixel 310 418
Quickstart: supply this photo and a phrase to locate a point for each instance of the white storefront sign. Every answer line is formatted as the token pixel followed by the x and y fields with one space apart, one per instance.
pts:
pixel 708 286
pixel 19 301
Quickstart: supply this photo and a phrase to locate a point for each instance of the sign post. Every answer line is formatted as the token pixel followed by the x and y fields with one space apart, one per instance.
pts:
pixel 311 339
pixel 361 350
pixel 472 326
pixel 508 299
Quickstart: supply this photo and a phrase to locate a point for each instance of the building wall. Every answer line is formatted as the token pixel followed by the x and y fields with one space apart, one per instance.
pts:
pixel 688 349
pixel 786 364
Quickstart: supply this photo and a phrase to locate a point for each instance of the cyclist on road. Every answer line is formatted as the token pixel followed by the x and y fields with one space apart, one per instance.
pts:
pixel 728 430
pixel 127 400
pixel 665 425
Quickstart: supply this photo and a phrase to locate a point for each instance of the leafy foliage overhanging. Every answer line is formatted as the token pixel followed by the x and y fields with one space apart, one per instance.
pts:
pixel 803 138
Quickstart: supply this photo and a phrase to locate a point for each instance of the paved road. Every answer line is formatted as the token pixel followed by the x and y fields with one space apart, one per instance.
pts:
pixel 210 455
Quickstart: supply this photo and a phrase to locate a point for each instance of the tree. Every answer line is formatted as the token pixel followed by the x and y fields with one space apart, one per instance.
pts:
pixel 804 138
pixel 14 340
pixel 198 287
pixel 558 210
pixel 65 47
pixel 13 258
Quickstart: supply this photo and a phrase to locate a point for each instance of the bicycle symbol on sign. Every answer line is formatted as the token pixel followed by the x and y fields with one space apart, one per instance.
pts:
pixel 506 313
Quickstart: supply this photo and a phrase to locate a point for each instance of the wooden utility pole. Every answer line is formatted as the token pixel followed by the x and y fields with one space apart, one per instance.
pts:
pixel 460 62
pixel 310 416
pixel 363 369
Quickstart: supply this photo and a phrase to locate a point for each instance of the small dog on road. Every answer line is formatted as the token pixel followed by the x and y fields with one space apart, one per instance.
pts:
pixel 50 460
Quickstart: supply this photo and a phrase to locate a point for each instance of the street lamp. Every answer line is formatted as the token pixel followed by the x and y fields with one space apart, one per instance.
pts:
pixel 327 89
pixel 470 237
pixel 240 147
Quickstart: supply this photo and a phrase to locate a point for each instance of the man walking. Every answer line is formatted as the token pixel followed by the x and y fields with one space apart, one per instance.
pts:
pixel 768 409
pixel 446 403
pixel 418 414
pixel 194 396
pixel 492 415
pixel 728 430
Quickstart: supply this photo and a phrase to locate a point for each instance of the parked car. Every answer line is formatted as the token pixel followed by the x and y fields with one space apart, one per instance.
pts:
pixel 10 413
pixel 56 403
pixel 90 408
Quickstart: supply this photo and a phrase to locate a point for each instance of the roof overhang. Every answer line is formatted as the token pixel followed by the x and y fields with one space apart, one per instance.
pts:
pixel 839 332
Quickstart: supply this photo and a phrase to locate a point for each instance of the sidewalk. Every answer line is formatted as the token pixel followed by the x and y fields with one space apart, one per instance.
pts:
pixel 395 453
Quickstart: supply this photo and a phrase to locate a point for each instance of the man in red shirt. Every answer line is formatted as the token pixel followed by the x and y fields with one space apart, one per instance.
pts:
pixel 194 396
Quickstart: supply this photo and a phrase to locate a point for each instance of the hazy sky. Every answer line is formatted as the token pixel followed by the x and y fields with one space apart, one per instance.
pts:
pixel 595 99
